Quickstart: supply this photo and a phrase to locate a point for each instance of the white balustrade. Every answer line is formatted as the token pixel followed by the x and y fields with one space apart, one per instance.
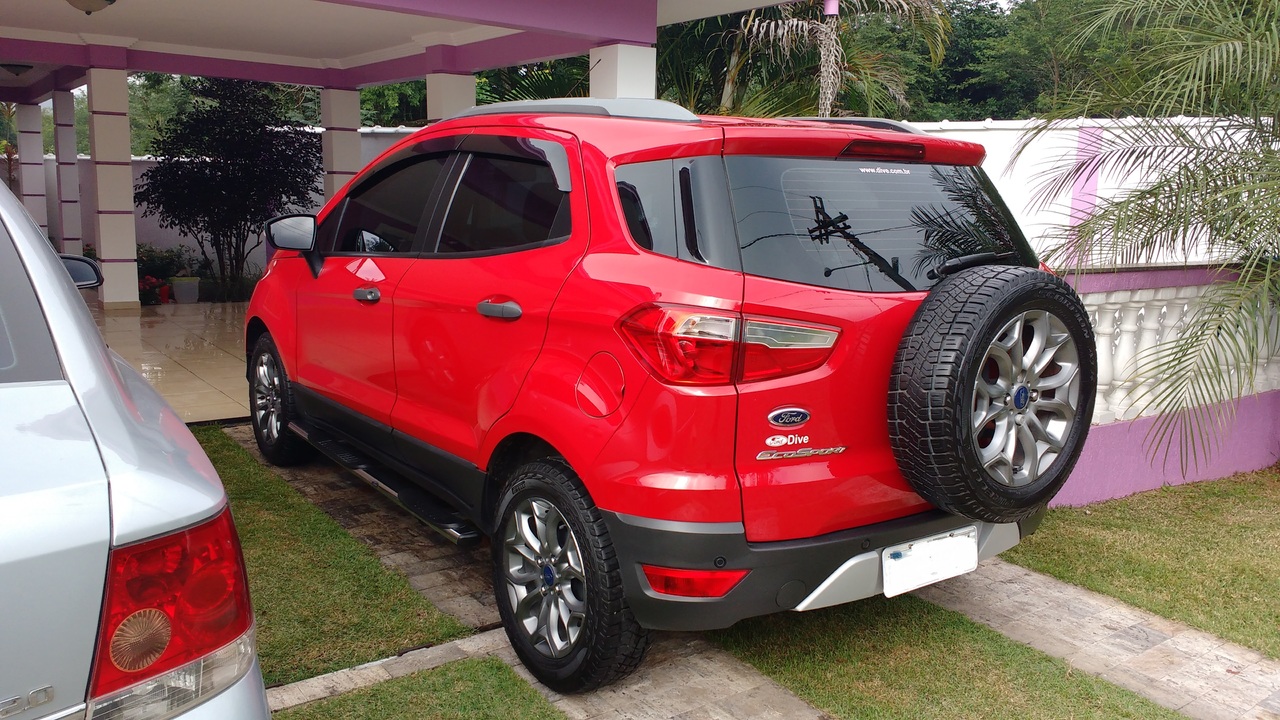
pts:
pixel 1130 325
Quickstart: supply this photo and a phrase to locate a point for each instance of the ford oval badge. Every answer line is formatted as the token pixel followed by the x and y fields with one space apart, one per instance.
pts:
pixel 788 417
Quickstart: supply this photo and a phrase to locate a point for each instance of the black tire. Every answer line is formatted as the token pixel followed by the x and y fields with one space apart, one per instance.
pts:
pixel 271 407
pixel 609 644
pixel 938 416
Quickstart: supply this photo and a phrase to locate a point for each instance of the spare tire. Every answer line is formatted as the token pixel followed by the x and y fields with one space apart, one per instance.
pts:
pixel 992 392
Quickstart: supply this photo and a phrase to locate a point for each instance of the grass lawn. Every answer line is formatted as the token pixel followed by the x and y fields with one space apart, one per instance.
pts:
pixel 465 690
pixel 906 658
pixel 322 600
pixel 1206 553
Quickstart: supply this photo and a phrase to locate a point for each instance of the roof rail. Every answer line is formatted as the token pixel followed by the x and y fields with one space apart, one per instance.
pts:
pixel 642 108
pixel 869 122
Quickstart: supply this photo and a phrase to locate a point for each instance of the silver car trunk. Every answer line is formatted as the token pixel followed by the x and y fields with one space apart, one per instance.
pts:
pixel 54 536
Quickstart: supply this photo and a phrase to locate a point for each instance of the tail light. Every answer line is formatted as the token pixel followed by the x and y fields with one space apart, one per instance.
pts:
pixel 772 350
pixel 696 346
pixel 685 346
pixel 692 583
pixel 176 627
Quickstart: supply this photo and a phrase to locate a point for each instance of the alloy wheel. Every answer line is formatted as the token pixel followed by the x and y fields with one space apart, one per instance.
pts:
pixel 1025 398
pixel 542 563
pixel 267 397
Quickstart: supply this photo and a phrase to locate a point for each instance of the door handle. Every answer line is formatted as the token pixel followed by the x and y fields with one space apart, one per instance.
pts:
pixel 509 310
pixel 367 294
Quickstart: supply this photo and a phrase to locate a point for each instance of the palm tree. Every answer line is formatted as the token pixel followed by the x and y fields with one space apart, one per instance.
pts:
pixel 792 30
pixel 1207 186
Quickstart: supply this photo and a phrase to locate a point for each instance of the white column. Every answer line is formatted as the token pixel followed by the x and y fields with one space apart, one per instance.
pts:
pixel 1148 338
pixel 31 164
pixel 1126 349
pixel 448 95
pixel 113 187
pixel 64 148
pixel 1103 332
pixel 624 71
pixel 340 115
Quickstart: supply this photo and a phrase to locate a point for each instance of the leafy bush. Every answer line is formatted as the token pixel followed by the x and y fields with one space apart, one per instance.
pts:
pixel 164 263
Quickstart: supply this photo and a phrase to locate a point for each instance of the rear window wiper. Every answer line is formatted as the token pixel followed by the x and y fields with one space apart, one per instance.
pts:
pixel 956 264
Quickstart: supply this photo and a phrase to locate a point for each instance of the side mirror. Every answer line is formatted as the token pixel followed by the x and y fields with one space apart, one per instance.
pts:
pixel 292 232
pixel 84 272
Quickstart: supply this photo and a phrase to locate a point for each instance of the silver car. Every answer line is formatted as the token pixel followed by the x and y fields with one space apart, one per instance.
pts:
pixel 122 587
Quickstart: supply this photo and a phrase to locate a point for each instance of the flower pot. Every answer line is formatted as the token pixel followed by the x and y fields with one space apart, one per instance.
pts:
pixel 185 289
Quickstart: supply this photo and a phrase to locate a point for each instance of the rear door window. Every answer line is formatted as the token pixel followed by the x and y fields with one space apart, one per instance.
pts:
pixel 26 348
pixel 865 225
pixel 503 204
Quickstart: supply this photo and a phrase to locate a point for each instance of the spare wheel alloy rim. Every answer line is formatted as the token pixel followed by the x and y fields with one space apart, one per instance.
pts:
pixel 546 582
pixel 1025 398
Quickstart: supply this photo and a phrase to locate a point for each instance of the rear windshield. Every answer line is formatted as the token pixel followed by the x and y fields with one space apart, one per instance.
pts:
pixel 865 225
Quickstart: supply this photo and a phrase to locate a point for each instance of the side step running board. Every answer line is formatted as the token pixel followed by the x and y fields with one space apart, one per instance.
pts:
pixel 422 504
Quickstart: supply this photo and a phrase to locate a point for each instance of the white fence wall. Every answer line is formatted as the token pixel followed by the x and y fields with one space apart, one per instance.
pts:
pixel 373 141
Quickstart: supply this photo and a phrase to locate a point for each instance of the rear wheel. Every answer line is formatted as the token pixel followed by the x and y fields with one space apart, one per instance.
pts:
pixel 271 407
pixel 992 392
pixel 558 583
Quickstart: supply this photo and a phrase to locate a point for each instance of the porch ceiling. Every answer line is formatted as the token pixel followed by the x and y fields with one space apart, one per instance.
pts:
pixel 335 43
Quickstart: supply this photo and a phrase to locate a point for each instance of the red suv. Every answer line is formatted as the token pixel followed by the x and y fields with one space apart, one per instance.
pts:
pixel 679 370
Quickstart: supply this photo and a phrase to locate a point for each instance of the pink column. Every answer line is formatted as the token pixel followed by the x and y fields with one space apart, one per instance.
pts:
pixel 340 115
pixel 64 148
pixel 113 220
pixel 31 164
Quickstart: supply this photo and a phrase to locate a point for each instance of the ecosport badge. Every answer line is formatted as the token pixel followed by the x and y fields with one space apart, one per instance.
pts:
pixel 801 453
pixel 788 417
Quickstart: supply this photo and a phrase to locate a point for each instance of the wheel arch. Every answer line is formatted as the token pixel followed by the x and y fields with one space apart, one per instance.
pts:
pixel 511 452
pixel 253 329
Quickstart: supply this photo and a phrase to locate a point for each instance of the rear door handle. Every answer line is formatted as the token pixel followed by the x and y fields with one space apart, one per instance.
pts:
pixel 367 294
pixel 509 310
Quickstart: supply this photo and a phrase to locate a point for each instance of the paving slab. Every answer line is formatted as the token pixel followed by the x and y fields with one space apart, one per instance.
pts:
pixel 1188 670
pixel 682 675
pixel 1194 672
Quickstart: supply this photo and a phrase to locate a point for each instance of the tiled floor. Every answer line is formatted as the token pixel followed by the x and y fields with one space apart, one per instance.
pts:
pixel 192 354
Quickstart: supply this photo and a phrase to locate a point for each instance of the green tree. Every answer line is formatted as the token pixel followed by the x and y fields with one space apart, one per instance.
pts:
pixel 1042 56
pixel 9 145
pixel 226 165
pixel 800 32
pixel 394 104
pixel 154 99
pixel 1208 185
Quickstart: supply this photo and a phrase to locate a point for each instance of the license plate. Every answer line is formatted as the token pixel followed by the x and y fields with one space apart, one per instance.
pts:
pixel 928 560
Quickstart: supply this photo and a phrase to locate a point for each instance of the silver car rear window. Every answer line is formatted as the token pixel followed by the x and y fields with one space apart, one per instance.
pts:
pixel 26 349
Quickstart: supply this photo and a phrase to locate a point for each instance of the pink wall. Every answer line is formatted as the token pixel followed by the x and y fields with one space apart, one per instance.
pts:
pixel 1115 464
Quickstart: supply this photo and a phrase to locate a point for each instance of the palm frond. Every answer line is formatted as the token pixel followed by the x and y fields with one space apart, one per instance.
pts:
pixel 1204 188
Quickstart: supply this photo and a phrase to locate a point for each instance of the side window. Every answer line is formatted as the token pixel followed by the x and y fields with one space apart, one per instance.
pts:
pixel 504 203
pixel 384 214
pixel 680 208
pixel 26 348
pixel 648 194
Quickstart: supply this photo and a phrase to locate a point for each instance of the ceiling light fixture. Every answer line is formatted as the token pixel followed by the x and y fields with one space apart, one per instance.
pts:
pixel 90 6
pixel 16 68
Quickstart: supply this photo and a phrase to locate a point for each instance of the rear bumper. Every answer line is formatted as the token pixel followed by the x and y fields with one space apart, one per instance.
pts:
pixel 789 575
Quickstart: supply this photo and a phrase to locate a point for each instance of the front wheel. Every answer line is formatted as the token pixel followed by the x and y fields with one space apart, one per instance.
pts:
pixel 558 584
pixel 271 406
